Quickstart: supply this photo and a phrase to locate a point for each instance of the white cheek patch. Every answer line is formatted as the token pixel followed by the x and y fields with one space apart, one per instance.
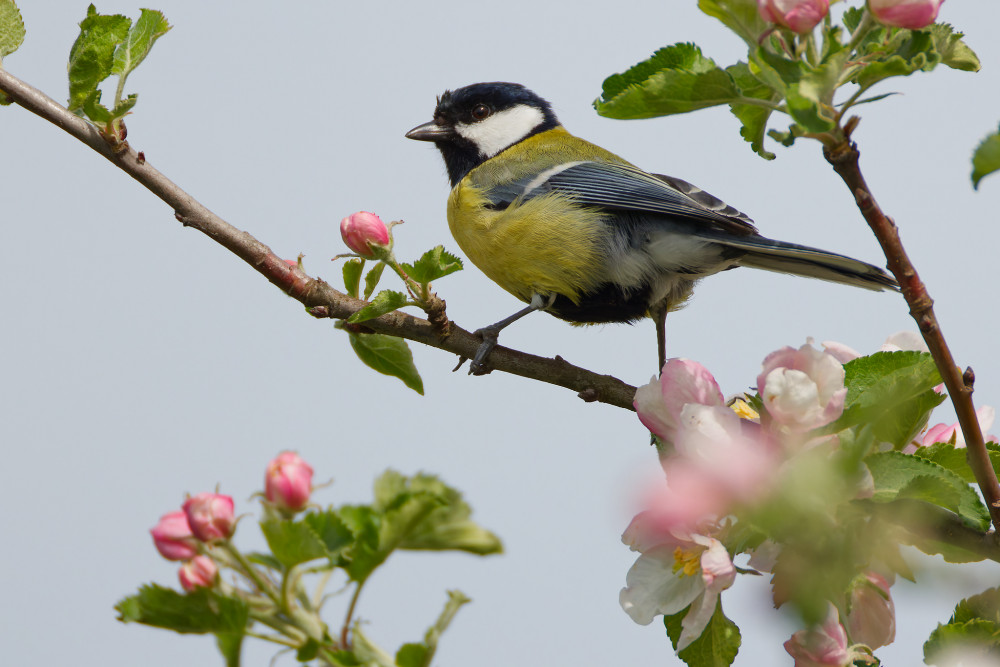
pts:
pixel 501 129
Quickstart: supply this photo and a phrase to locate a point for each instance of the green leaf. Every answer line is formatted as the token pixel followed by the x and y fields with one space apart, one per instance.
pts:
pixel 384 302
pixel 388 355
pixel 953 458
pixel 366 652
pixel 902 476
pixel 752 117
pixel 984 606
pixel 421 655
pixel 330 529
pixel 413 655
pixel 953 51
pixel 201 612
pixel 675 79
pixel 150 26
pixel 446 527
pixel 808 90
pixel 230 646
pixel 11 28
pixel 740 16
pixel 362 556
pixel 892 391
pixel 976 641
pixel 986 159
pixel 352 275
pixel 371 280
pixel 92 56
pixel 716 647
pixel 433 264
pixel 292 542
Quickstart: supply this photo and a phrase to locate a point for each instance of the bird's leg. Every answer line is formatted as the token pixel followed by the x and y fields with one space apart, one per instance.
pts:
pixel 491 334
pixel 658 311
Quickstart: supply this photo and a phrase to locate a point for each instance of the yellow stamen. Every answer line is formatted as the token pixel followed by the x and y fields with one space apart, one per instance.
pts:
pixel 688 561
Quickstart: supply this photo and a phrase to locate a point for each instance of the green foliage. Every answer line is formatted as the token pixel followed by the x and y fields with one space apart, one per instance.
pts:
pixel 372 278
pixel 384 302
pixel 971 636
pixel 753 117
pixel 891 391
pixel 352 275
pixel 316 535
pixel 11 28
pixel 388 355
pixel 716 647
pixel 986 159
pixel 953 458
pixel 433 264
pixel 107 45
pixel 740 16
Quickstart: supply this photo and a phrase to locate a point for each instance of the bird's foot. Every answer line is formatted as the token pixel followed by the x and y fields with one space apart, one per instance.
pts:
pixel 490 336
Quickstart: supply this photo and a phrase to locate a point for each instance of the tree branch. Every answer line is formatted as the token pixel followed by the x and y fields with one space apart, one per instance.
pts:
pixel 314 293
pixel 844 157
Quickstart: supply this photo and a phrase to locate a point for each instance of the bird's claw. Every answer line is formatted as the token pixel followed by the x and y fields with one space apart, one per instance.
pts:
pixel 490 338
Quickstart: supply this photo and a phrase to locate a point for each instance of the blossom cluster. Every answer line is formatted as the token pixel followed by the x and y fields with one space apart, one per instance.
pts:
pixel 208 519
pixel 724 460
pixel 801 16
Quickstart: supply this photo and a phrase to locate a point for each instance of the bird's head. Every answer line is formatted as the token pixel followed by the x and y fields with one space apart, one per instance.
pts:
pixel 474 123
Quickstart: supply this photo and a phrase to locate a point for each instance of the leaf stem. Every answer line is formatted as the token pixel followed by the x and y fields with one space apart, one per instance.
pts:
pixel 350 614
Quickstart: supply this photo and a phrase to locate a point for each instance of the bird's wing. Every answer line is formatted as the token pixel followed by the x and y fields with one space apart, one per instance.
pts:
pixel 626 188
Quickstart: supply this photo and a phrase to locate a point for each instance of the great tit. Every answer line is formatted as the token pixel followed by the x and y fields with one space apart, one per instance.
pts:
pixel 578 232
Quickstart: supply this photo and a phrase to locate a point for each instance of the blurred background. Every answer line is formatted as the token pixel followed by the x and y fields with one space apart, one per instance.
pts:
pixel 140 361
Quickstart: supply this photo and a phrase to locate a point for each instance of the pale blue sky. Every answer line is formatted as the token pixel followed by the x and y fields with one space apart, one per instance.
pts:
pixel 141 361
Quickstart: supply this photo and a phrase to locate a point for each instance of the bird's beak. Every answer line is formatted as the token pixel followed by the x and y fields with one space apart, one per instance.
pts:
pixel 430 132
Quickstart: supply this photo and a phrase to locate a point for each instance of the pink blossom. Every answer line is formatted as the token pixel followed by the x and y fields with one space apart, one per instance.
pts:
pixel 946 432
pixel 173 537
pixel 840 352
pixel 909 341
pixel 660 402
pixel 802 389
pixel 799 16
pixel 199 572
pixel 364 233
pixel 911 14
pixel 210 516
pixel 288 481
pixel 821 646
pixel 872 615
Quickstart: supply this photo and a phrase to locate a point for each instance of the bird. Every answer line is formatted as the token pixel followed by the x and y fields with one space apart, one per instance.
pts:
pixel 576 231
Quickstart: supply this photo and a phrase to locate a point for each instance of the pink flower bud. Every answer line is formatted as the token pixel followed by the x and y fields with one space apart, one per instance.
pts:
pixel 173 537
pixel 802 389
pixel 872 617
pixel 822 646
pixel 199 572
pixel 363 232
pixel 288 481
pixel 799 16
pixel 948 432
pixel 659 403
pixel 210 516
pixel 911 14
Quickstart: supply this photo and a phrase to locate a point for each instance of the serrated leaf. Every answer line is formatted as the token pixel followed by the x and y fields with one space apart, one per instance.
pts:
pixel 94 110
pixel 889 53
pixel 977 642
pixel 892 391
pixel 984 606
pixel 362 556
pixel 740 16
pixel 267 560
pixel 675 79
pixel 372 278
pixel 954 458
pixel 433 264
pixel 292 542
pixel 201 612
pixel 388 355
pixel 11 28
pixel 384 302
pixel 954 52
pixel 808 90
pixel 352 275
pixel 716 647
pixel 150 26
pixel 902 476
pixel 92 55
pixel 986 159
pixel 752 117
pixel 125 106
pixel 330 529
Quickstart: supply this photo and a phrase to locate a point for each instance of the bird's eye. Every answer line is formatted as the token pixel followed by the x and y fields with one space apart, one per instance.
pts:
pixel 480 111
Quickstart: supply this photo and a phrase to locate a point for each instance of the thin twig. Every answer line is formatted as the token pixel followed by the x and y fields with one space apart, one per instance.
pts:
pixel 845 161
pixel 314 293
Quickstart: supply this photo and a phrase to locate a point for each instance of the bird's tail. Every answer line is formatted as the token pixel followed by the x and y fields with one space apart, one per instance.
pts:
pixel 764 253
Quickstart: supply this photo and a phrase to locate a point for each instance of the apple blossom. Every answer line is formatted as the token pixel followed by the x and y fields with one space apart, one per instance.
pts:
pixel 946 432
pixel 821 646
pixel 911 14
pixel 802 389
pixel 173 537
pixel 799 16
pixel 288 481
pixel 199 572
pixel 872 615
pixel 660 402
pixel 364 233
pixel 210 516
